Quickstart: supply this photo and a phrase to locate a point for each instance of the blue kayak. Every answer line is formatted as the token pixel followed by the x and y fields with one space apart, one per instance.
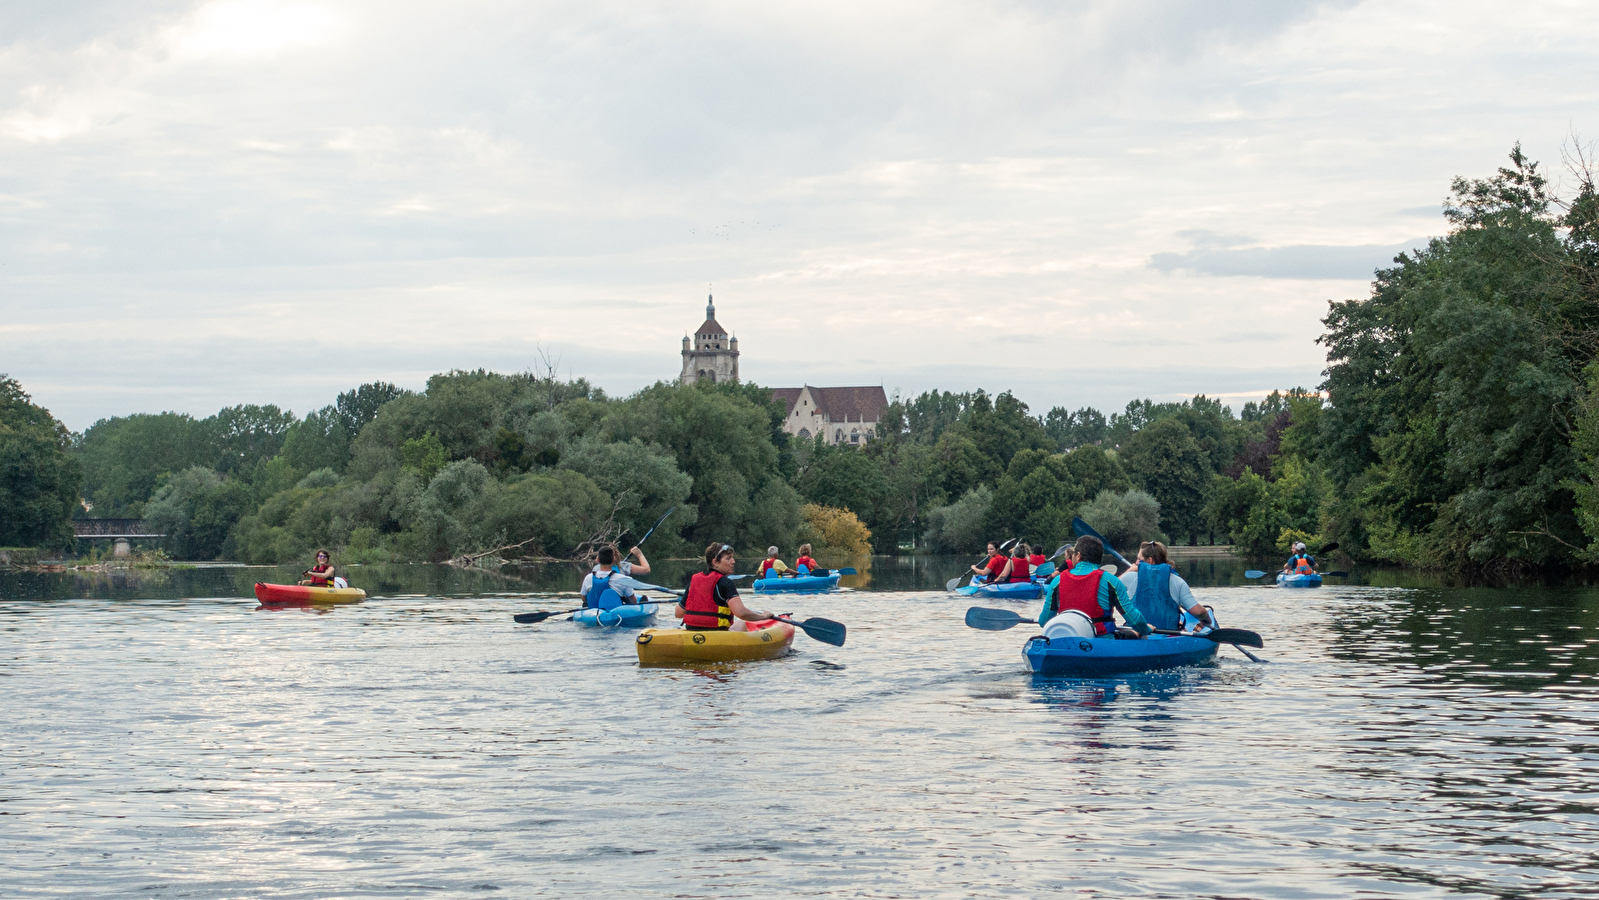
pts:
pixel 1298 581
pixel 1010 590
pixel 802 584
pixel 625 616
pixel 1093 657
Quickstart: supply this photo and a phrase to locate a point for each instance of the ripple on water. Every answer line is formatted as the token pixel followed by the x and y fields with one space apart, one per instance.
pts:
pixel 1431 742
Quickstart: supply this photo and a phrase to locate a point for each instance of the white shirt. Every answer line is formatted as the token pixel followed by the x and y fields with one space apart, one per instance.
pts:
pixel 588 582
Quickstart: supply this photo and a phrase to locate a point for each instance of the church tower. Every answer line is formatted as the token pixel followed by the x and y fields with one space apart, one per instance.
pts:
pixel 712 355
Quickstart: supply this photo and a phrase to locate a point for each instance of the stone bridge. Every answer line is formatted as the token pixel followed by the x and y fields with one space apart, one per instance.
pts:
pixel 121 532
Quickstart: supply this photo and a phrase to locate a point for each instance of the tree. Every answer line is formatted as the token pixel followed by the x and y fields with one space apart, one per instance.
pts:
pixel 38 479
pixel 196 509
pixel 1165 460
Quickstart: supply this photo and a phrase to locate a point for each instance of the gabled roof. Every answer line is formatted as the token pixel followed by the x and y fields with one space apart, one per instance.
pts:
pixel 854 404
pixel 711 326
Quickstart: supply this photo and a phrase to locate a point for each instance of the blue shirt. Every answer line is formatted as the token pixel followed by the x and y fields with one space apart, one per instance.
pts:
pixel 1109 586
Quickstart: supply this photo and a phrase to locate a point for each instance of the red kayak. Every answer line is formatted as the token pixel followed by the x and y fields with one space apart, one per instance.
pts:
pixel 302 593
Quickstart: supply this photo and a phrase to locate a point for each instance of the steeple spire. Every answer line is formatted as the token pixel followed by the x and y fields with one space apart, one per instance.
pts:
pixel 710 306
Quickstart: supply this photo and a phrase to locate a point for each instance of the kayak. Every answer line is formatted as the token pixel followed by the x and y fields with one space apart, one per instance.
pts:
pixel 801 584
pixel 665 646
pixel 1298 581
pixel 1010 590
pixel 628 615
pixel 302 593
pixel 1093 657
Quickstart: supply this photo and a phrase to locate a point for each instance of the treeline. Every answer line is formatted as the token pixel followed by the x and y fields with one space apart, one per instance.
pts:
pixel 1458 426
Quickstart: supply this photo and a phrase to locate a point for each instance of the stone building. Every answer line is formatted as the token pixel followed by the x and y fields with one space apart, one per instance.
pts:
pixel 713 353
pixel 841 415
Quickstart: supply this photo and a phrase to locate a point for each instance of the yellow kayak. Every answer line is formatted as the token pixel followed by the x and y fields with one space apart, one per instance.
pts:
pixel 293 594
pixel 661 646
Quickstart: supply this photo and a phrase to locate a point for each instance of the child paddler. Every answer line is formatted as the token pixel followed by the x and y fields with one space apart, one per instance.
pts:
pixel 711 603
pixel 1020 569
pixel 598 581
pixel 1092 591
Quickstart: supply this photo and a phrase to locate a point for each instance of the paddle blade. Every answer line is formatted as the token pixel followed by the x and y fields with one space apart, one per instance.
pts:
pixel 847 570
pixel 532 618
pixel 1329 548
pixel 985 619
pixel 1235 636
pixel 1059 550
pixel 953 583
pixel 1336 574
pixel 825 630
pixel 1253 573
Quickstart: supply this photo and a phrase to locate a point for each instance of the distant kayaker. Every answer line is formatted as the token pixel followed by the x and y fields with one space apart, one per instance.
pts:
pixel 1159 592
pixel 1036 557
pixel 711 603
pixel 1087 589
pixel 772 563
pixel 996 568
pixel 1301 563
pixel 1019 568
pixel 321 574
pixel 596 582
pixel 812 567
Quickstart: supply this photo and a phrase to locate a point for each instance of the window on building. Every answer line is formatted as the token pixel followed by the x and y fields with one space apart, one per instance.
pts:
pixel 805 434
pixel 838 437
pixel 854 436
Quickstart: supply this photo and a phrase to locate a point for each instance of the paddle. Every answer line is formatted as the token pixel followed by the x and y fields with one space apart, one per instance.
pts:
pixel 825 630
pixel 984 619
pixel 1083 529
pixel 1238 637
pixel 954 583
pixel 616 581
pixel 655 526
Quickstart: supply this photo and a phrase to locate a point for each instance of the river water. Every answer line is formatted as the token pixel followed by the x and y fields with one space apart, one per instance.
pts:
pixel 163 738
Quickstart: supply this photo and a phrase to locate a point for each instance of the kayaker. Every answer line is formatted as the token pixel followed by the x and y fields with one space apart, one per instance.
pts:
pixel 1019 568
pixel 771 563
pixel 321 574
pixel 997 567
pixel 1301 563
pixel 596 582
pixel 1036 558
pixel 812 567
pixel 1158 591
pixel 711 603
pixel 1089 590
pixel 642 567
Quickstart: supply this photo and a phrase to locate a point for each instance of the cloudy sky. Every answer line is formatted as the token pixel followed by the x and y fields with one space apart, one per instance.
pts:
pixel 270 201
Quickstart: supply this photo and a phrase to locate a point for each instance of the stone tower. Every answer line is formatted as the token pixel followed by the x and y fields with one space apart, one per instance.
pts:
pixel 712 354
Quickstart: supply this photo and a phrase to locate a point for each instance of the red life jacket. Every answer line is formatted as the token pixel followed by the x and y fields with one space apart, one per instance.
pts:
pixel 807 562
pixel 996 565
pixel 1019 570
pixel 1081 593
pixel 701 609
pixel 320 580
pixel 1036 560
pixel 765 565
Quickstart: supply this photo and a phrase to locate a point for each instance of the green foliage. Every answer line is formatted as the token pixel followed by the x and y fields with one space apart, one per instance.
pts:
pixel 424 455
pixel 1036 498
pixel 1455 386
pixel 1586 445
pixel 958 527
pixel 38 479
pixel 196 509
pixel 1125 519
pixel 1165 460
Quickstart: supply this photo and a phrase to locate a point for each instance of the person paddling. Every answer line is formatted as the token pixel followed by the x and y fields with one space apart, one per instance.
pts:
pixel 771 563
pixel 1020 569
pixel 1089 590
pixel 642 567
pixel 1301 563
pixel 811 566
pixel 598 581
pixel 711 603
pixel 996 568
pixel 1159 593
pixel 1036 558
pixel 321 574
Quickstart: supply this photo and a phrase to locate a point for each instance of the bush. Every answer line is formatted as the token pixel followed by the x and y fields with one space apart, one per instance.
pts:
pixel 1125 519
pixel 958 527
pixel 834 532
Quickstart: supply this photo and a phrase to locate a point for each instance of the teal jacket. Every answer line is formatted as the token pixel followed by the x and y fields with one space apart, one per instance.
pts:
pixel 1109 586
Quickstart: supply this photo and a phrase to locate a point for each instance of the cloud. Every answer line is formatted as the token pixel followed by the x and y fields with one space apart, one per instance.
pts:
pixel 1299 261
